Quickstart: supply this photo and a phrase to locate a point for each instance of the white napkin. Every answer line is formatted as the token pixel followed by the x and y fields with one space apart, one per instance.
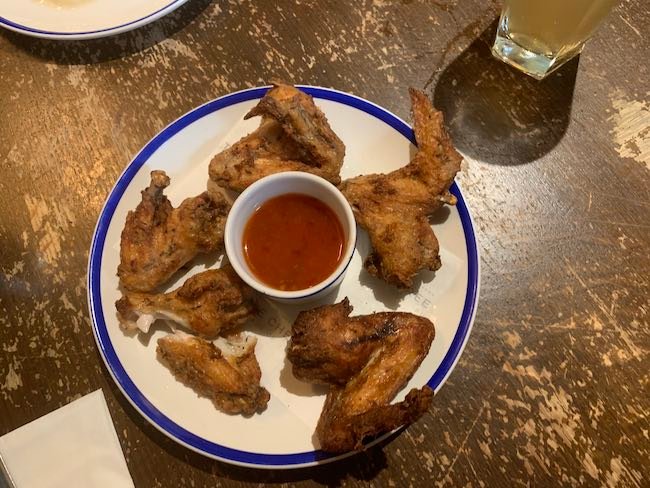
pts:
pixel 75 445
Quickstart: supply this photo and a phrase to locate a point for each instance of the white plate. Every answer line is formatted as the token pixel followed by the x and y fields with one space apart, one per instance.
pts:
pixel 283 435
pixel 81 19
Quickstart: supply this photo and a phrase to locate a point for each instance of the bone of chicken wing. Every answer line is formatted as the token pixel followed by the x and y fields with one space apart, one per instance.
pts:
pixel 157 239
pixel 294 135
pixel 366 360
pixel 208 303
pixel 394 207
pixel 225 371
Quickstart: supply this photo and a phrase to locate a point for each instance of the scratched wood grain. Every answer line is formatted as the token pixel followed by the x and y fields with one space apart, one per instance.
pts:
pixel 553 385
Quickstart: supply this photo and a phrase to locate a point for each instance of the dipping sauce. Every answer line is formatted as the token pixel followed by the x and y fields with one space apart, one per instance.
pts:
pixel 292 242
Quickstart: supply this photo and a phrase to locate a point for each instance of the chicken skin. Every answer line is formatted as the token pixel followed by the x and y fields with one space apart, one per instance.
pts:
pixel 366 360
pixel 157 239
pixel 394 208
pixel 294 135
pixel 225 371
pixel 208 303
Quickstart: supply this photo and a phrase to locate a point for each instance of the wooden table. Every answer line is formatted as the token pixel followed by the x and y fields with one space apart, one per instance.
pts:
pixel 553 385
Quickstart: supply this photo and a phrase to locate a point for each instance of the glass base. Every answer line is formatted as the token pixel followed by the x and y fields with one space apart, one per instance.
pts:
pixel 534 64
pixel 531 63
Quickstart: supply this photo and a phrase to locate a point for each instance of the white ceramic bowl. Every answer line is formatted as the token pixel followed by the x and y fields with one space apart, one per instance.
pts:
pixel 279 184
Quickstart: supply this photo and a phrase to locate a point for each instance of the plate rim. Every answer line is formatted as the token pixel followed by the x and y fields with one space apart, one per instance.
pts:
pixel 100 330
pixel 92 34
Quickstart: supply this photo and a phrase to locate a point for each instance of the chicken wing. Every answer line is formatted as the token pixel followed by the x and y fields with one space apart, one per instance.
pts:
pixel 366 360
pixel 294 135
pixel 208 303
pixel 226 370
pixel 394 207
pixel 158 239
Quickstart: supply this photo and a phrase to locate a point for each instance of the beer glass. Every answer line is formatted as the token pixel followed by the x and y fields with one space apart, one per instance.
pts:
pixel 538 36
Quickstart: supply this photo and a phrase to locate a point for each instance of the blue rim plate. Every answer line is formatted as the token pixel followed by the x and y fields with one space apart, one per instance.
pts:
pixel 194 440
pixel 101 31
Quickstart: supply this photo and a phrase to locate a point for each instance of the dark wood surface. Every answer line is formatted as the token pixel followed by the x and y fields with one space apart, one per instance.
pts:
pixel 553 385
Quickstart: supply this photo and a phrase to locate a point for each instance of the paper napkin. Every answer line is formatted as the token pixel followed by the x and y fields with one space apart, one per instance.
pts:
pixel 75 445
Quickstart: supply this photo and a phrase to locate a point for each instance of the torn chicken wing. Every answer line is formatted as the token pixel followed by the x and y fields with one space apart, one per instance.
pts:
pixel 294 135
pixel 394 207
pixel 157 239
pixel 366 360
pixel 225 371
pixel 208 303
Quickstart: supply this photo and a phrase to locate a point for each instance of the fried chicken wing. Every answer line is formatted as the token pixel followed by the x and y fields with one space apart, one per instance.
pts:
pixel 394 207
pixel 366 360
pixel 341 432
pixel 226 370
pixel 157 239
pixel 208 303
pixel 294 135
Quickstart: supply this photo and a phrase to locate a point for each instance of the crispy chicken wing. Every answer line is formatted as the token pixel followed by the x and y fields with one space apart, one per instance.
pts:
pixel 294 135
pixel 226 370
pixel 158 239
pixel 394 207
pixel 340 431
pixel 366 360
pixel 208 303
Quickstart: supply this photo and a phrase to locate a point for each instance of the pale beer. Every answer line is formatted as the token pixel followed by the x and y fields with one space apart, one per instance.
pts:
pixel 537 36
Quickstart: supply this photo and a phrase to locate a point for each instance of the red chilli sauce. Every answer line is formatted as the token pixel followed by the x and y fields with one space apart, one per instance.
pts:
pixel 293 242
